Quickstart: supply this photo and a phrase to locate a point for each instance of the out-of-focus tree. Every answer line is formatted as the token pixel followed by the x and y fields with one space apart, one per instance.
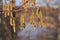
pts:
pixel 0 4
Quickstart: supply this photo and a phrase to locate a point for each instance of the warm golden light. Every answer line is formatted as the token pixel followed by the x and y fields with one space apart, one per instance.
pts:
pixel 39 15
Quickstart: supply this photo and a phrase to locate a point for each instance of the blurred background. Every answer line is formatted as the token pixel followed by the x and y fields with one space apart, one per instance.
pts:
pixel 29 19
